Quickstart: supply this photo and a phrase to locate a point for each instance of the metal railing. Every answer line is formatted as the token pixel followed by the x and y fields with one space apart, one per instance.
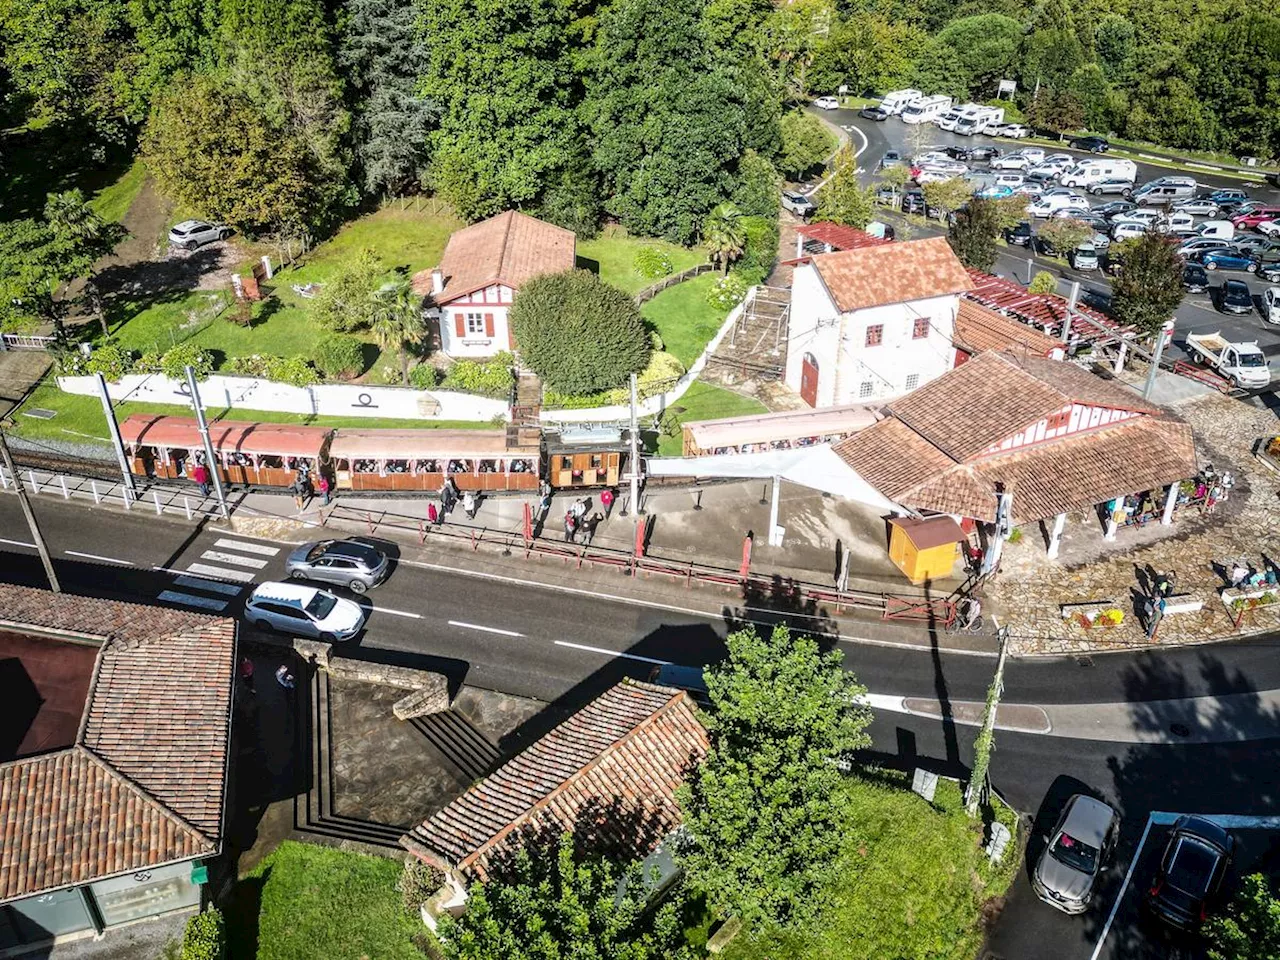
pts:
pixel 22 341
pixel 151 497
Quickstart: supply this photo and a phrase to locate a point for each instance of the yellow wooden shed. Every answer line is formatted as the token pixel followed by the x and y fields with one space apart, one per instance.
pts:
pixel 925 549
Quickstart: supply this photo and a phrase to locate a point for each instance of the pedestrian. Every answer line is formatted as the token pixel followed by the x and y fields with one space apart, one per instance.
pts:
pixel 322 484
pixel 296 489
pixel 570 526
pixel 246 674
pixel 433 516
pixel 1167 583
pixel 201 476
pixel 606 501
pixel 589 528
pixel 1155 613
pixel 1239 574
pixel 285 677
pixel 579 508
pixel 470 504
pixel 544 507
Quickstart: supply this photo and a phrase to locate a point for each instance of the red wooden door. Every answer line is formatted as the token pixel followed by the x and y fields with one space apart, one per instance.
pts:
pixel 809 380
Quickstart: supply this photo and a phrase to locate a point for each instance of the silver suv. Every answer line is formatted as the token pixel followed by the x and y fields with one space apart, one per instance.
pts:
pixel 190 234
pixel 798 204
pixel 346 563
pixel 1077 851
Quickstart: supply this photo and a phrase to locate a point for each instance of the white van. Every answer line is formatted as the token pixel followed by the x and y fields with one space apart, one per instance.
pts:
pixel 1088 172
pixel 979 119
pixel 949 119
pixel 896 101
pixel 926 109
pixel 1217 229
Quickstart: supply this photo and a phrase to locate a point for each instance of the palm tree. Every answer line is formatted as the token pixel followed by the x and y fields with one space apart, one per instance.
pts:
pixel 398 321
pixel 724 234
pixel 83 238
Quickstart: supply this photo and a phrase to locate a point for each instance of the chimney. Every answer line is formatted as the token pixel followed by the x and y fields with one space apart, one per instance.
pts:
pixel 437 281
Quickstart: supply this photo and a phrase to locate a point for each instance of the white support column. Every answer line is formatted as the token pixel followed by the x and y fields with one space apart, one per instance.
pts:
pixel 1055 535
pixel 155 495
pixel 1111 520
pixel 62 482
pixel 775 531
pixel 799 246
pixel 1121 356
pixel 1170 501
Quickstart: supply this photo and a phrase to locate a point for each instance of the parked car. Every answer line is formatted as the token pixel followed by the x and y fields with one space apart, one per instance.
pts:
pixel 1269 228
pixel 995 191
pixel 1225 258
pixel 1162 194
pixel 1255 216
pixel 886 195
pixel 798 204
pixel 1114 208
pixel 190 234
pixel 1054 166
pixel 1092 144
pixel 1191 870
pixel 1269 272
pixel 1085 257
pixel 1011 161
pixel 956 153
pixel 1031 189
pixel 1015 131
pixel 1048 206
pixel 1128 229
pixel 1196 206
pixel 1234 297
pixel 1076 854
pixel 827 103
pixel 1010 180
pixel 1143 215
pixel 301 610
pixel 891 158
pixel 1273 179
pixel 1227 195
pixel 345 563
pixel 1201 244
pixel 1101 242
pixel 872 113
pixel 1194 278
pixel 913 202
pixel 1020 235
pixel 1271 305
pixel 1121 187
pixel 1253 244
pixel 983 153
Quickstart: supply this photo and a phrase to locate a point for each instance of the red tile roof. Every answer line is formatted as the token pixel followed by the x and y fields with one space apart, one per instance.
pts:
pixel 609 772
pixel 873 275
pixel 143 785
pixel 510 248
pixel 1042 310
pixel 840 237
pixel 981 328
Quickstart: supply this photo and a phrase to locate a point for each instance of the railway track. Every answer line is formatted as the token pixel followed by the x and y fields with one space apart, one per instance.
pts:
pixel 65 464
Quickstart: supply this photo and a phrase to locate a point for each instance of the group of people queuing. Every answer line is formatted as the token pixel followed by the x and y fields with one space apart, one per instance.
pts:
pixel 580 521
pixel 304 488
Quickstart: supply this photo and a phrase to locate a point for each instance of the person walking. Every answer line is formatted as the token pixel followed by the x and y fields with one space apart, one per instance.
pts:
pixel 470 504
pixel 246 674
pixel 322 485
pixel 285 677
pixel 589 528
pixel 296 488
pixel 201 476
pixel 433 515
pixel 570 526
pixel 606 501
pixel 1167 583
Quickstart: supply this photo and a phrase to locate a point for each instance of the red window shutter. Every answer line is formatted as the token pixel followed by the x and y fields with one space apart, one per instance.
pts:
pixel 488 324
pixel 460 324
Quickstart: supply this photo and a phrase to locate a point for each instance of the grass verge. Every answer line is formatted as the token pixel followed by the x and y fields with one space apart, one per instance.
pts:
pixel 304 902
pixel 702 401
pixel 913 882
pixel 614 253
pixel 112 202
pixel 684 319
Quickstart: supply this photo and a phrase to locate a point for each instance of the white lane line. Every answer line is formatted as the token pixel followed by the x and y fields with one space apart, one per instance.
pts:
pixel 476 626
pixel 190 600
pixel 243 576
pixel 94 556
pixel 246 547
pixel 211 586
pixel 1115 907
pixel 398 613
pixel 18 543
pixel 234 559
pixel 612 653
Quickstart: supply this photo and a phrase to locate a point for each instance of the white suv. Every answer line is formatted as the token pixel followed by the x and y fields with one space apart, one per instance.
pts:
pixel 190 234
pixel 827 103
pixel 303 611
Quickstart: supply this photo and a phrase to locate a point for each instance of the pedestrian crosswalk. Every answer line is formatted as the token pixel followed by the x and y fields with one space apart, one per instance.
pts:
pixel 212 585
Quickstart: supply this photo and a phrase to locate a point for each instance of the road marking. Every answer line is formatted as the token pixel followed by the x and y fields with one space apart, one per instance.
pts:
pixel 94 556
pixel 18 543
pixel 1124 887
pixel 233 558
pixel 398 613
pixel 212 586
pixel 613 653
pixel 190 600
pixel 476 626
pixel 243 576
pixel 260 548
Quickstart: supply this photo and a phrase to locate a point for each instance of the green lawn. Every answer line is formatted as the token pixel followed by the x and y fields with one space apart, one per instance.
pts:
pixel 81 418
pixel 615 252
pixel 303 902
pixel 911 887
pixel 705 402
pixel 684 319
pixel 44 159
pixel 113 201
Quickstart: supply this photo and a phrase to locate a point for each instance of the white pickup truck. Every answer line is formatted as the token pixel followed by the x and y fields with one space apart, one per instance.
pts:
pixel 1242 363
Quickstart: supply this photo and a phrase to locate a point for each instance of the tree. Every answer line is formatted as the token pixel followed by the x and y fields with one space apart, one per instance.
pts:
pixel 763 811
pixel 1064 234
pixel 30 270
pixel 940 68
pixel 1043 282
pixel 81 238
pixel 757 191
pixel 578 333
pixel 1089 87
pixel 973 234
pixel 947 195
pixel 724 235
pixel 866 51
pixel 173 37
pixel 986 48
pixel 1149 287
pixel 1250 927
pixel 1052 50
pixel 384 54
pixel 348 300
pixel 844 200
pixel 555 903
pixel 1056 110
pixel 805 143
pixel 397 322
pixel 1010 211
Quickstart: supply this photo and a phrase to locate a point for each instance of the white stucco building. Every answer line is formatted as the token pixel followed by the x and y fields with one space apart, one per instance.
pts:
pixel 483 268
pixel 875 322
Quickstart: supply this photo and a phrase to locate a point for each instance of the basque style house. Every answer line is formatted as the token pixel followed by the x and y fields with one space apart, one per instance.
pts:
pixel 113 761
pixel 483 268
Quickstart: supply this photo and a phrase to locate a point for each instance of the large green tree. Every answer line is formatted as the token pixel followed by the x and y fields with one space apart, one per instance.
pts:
pixel 724 234
pixel 763 811
pixel 844 200
pixel 81 238
pixel 1249 929
pixel 1149 287
pixel 973 234
pixel 397 322
pixel 985 48
pixel 805 143
pixel 173 36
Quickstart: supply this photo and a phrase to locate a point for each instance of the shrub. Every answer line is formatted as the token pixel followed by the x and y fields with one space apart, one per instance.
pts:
pixel 339 357
pixel 424 376
pixel 728 291
pixel 1043 282
pixel 348 301
pixel 578 333
pixel 70 361
pixel 417 883
pixel 660 375
pixel 761 247
pixel 111 361
pixel 205 936
pixel 176 359
pixel 490 378
pixel 296 371
pixel 652 263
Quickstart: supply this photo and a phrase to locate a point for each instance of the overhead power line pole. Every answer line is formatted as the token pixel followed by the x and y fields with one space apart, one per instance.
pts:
pixel 31 517
pixel 210 462
pixel 985 742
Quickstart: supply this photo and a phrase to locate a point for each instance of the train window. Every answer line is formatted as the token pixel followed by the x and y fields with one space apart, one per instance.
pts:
pixel 566 463
pixel 596 460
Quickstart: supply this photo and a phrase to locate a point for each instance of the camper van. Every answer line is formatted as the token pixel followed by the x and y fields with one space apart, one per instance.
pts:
pixel 978 119
pixel 895 102
pixel 1088 172
pixel 949 119
pixel 926 109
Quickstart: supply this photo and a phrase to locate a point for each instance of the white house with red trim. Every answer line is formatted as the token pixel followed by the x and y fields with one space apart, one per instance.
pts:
pixel 483 268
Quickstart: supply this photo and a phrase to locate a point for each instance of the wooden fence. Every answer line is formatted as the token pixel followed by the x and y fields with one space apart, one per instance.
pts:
pixel 648 293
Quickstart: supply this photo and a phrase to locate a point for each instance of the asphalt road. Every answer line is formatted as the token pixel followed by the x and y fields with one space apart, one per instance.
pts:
pixel 1197 313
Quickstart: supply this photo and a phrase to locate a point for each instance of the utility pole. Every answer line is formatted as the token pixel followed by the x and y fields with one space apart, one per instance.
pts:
pixel 31 517
pixel 985 742
pixel 1166 330
pixel 211 462
pixel 114 428
pixel 635 449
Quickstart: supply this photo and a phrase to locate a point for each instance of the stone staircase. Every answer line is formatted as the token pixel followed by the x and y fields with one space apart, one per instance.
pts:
pixel 459 743
pixel 524 429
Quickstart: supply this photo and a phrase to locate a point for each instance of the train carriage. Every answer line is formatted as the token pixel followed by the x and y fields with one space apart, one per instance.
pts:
pixel 422 459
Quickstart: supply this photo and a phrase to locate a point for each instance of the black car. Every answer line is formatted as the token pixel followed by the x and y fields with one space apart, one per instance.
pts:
pixel 1195 278
pixel 1113 208
pixel 1020 235
pixel 1190 875
pixel 957 153
pixel 1045 248
pixel 1269 270
pixel 913 202
pixel 1092 144
pixel 1273 179
pixel 1235 297
pixel 983 153
pixel 873 113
